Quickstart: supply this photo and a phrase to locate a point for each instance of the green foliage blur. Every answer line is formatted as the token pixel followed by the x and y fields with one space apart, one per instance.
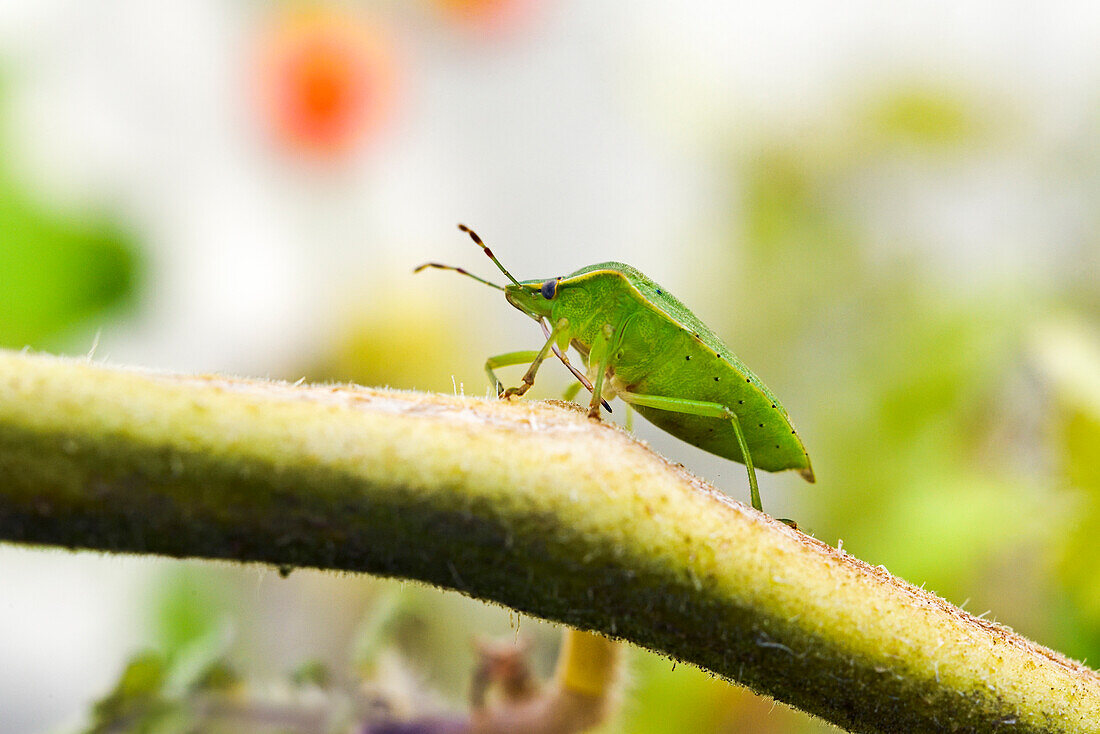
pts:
pixel 61 274
pixel 57 273
pixel 927 416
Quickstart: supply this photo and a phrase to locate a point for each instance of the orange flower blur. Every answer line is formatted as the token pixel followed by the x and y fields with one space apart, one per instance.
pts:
pixel 491 16
pixel 327 80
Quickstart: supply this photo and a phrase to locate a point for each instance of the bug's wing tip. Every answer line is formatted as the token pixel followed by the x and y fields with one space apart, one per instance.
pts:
pixel 808 474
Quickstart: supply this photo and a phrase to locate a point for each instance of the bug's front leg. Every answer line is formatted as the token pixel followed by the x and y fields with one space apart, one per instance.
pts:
pixel 514 358
pixel 560 328
pixel 506 360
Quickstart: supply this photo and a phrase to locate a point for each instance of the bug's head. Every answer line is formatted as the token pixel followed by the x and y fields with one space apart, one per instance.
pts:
pixel 533 297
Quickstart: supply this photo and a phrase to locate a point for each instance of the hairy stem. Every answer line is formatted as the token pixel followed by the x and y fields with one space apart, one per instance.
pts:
pixel 527 504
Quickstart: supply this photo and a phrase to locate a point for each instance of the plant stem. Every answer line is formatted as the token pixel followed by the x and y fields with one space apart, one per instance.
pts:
pixel 527 504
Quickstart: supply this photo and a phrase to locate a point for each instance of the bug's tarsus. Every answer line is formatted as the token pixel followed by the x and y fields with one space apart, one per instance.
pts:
pixel 485 248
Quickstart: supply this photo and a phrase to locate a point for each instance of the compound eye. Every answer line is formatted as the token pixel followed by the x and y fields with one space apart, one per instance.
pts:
pixel 550 288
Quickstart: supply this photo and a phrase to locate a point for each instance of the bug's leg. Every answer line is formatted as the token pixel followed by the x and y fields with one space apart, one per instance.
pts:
pixel 597 388
pixel 572 390
pixel 560 328
pixel 754 490
pixel 628 424
pixel 559 348
pixel 506 360
pixel 597 361
pixel 708 410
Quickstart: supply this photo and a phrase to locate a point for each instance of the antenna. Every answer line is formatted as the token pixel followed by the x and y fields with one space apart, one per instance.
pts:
pixel 458 270
pixel 475 238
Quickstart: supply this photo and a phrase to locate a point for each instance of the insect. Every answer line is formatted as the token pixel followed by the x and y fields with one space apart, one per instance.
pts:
pixel 642 345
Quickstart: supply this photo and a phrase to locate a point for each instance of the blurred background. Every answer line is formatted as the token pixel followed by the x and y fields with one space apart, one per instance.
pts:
pixel 891 212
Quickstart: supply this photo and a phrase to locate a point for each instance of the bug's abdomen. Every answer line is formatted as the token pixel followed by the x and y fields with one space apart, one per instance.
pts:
pixel 686 368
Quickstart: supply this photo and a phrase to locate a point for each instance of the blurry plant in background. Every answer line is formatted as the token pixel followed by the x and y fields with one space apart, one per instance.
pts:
pixel 404 340
pixel 929 428
pixel 871 263
pixel 1067 354
pixel 60 271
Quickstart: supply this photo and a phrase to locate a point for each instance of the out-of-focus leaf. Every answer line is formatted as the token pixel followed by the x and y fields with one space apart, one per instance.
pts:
pixel 57 271
pixel 190 606
pixel 405 339
pixel 1069 355
pixel 218 676
pixel 311 673
pixel 669 699
pixel 195 662
pixel 792 215
pixel 924 115
pixel 376 631
pixel 971 520
pixel 137 701
pixel 665 700
pixel 143 678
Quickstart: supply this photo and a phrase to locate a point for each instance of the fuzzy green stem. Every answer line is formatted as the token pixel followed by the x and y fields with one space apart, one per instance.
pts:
pixel 527 504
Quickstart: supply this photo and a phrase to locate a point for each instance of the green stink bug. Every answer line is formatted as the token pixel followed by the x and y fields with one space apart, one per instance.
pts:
pixel 640 344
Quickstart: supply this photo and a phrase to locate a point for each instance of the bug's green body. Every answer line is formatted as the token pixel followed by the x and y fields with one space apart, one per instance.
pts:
pixel 664 349
pixel 642 345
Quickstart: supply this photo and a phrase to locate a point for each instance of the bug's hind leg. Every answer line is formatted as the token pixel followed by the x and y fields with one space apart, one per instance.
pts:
pixel 707 410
